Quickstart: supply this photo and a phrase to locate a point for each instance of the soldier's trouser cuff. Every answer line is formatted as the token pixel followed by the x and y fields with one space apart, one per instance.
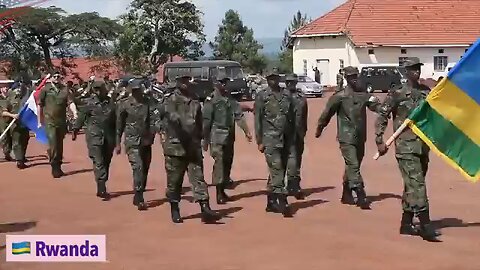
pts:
pixel 171 197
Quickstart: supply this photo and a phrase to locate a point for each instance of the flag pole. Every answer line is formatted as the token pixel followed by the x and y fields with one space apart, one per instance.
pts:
pixel 7 129
pixel 393 138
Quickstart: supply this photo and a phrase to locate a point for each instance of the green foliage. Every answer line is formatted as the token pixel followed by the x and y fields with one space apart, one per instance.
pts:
pixel 155 30
pixel 286 55
pixel 40 34
pixel 236 42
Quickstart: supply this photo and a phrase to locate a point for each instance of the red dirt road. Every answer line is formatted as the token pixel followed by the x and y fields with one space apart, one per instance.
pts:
pixel 323 234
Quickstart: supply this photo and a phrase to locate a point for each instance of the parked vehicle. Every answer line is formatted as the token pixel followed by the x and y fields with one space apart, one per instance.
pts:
pixel 382 78
pixel 205 73
pixel 309 87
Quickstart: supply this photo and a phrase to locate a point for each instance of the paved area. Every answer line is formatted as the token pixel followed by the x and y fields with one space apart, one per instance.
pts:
pixel 323 234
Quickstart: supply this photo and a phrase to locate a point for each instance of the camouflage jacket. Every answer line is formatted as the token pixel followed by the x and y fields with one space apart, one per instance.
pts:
pixel 182 125
pixel 350 108
pixel 54 101
pixel 3 107
pixel 300 107
pixel 219 116
pixel 15 102
pixel 99 116
pixel 138 119
pixel 399 103
pixel 274 118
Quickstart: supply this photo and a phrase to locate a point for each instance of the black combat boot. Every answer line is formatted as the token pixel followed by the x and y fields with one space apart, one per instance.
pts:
pixel 427 232
pixel 208 215
pixel 139 201
pixel 272 203
pixel 283 206
pixel 229 184
pixel 222 197
pixel 295 190
pixel 347 197
pixel 175 212
pixel 102 191
pixel 7 157
pixel 21 165
pixel 57 171
pixel 362 200
pixel 406 225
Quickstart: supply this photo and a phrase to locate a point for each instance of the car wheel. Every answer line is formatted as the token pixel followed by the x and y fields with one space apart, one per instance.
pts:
pixel 369 88
pixel 253 95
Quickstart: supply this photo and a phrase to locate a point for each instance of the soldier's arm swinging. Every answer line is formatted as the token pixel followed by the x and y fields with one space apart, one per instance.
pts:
pixel 382 122
pixel 207 123
pixel 374 104
pixel 330 109
pixel 120 125
pixel 41 104
pixel 259 110
pixel 241 122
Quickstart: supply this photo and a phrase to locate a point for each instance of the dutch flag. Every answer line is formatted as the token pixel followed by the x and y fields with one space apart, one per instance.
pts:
pixel 28 114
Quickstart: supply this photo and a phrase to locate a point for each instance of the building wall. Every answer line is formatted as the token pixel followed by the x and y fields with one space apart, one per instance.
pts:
pixel 340 48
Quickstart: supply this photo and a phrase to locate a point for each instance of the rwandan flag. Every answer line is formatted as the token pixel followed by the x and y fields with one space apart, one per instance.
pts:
pixel 449 119
pixel 21 248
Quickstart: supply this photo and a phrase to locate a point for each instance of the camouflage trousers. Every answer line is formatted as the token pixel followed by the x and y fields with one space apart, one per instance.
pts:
pixel 277 159
pixel 223 156
pixel 55 136
pixel 353 155
pixel 294 166
pixel 101 156
pixel 140 158
pixel 6 142
pixel 176 167
pixel 20 138
pixel 414 169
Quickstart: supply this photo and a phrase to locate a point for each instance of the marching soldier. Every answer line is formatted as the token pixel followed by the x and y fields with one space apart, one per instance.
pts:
pixel 6 142
pixel 19 134
pixel 52 108
pixel 411 152
pixel 339 81
pixel 350 107
pixel 220 112
pixel 294 165
pixel 274 130
pixel 136 117
pixel 181 139
pixel 98 112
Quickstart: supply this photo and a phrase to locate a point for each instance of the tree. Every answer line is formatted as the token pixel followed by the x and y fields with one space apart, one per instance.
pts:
pixel 236 42
pixel 286 55
pixel 156 30
pixel 39 34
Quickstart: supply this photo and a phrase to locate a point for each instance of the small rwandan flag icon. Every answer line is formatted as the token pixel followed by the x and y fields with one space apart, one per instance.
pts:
pixel 21 248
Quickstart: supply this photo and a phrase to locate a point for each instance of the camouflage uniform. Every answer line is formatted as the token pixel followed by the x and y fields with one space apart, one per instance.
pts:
pixel 20 134
pixel 182 134
pixel 99 114
pixel 219 115
pixel 137 118
pixel 294 164
pixel 54 101
pixel 274 127
pixel 350 108
pixel 6 142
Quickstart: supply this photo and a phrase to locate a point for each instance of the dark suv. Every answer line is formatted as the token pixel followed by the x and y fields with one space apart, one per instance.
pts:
pixel 382 78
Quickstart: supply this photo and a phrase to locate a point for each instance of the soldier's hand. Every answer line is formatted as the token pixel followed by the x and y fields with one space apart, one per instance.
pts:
pixel 205 146
pixel 118 149
pixel 15 116
pixel 261 148
pixel 318 133
pixel 382 149
pixel 249 137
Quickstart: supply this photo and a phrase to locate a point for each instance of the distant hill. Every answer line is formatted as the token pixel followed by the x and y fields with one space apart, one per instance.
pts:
pixel 271 47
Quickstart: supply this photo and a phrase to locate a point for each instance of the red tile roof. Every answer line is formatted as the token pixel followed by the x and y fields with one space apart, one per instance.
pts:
pixel 401 22
pixel 84 67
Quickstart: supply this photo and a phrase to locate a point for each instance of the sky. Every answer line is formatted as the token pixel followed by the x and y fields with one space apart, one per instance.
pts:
pixel 268 18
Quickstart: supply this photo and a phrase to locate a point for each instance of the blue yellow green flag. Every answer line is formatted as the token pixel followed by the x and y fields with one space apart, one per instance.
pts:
pixel 21 248
pixel 449 119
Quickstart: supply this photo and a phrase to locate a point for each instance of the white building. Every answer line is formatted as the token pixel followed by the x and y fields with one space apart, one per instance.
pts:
pixel 374 32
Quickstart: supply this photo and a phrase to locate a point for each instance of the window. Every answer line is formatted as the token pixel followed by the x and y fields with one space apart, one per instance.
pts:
pixel 305 67
pixel 440 63
pixel 403 51
pixel 304 79
pixel 235 72
pixel 342 64
pixel 196 72
pixel 440 51
pixel 401 60
pixel 371 51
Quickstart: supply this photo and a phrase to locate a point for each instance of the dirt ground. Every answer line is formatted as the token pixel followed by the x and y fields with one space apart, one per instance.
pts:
pixel 324 234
